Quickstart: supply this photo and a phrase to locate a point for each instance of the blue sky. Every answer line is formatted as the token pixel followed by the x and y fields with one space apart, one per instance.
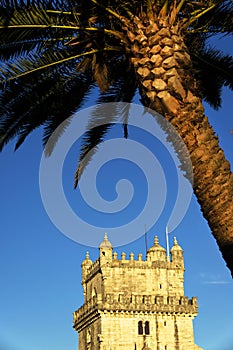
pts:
pixel 40 267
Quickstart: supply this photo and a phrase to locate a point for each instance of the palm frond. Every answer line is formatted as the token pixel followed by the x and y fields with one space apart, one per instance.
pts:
pixel 215 71
pixel 45 102
pixel 123 90
pixel 70 100
pixel 211 17
pixel 18 67
pixel 92 138
pixel 103 118
pixel 49 46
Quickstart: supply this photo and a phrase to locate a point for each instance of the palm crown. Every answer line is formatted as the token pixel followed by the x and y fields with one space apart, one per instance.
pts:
pixel 57 50
pixel 54 52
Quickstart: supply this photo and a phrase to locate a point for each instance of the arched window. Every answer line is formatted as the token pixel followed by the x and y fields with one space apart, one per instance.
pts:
pixel 93 292
pixel 88 336
pixel 147 328
pixel 140 327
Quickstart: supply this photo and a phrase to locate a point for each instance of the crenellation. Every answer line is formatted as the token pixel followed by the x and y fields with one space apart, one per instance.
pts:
pixel 140 257
pixel 131 256
pixel 123 255
pixel 134 303
pixel 150 303
pixel 93 269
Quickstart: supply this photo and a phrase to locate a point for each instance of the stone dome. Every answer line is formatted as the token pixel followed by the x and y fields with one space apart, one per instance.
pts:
pixel 156 253
pixel 156 246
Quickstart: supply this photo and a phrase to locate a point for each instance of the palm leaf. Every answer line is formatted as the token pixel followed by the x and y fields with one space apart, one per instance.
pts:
pixel 70 100
pixel 40 38
pixel 211 17
pixel 102 119
pixel 215 70
pixel 92 138
pixel 18 67
pixel 47 101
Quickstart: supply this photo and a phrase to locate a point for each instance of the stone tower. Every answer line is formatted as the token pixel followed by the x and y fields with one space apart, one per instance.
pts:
pixel 135 304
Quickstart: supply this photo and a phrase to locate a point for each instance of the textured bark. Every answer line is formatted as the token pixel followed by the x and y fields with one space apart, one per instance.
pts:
pixel 168 85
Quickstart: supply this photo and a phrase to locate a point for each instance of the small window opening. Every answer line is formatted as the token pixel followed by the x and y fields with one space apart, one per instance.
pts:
pixel 165 323
pixel 140 327
pixel 147 328
pixel 88 336
pixel 160 286
pixel 103 253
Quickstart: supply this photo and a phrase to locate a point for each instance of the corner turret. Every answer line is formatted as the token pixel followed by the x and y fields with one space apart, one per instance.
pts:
pixel 105 251
pixel 86 264
pixel 177 255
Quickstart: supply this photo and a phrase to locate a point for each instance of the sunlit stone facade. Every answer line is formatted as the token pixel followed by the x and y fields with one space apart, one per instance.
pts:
pixel 133 304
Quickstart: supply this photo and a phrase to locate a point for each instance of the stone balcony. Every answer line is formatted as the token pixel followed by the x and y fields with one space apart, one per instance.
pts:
pixel 137 303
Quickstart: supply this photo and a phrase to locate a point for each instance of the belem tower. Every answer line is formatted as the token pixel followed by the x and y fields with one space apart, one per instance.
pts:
pixel 135 304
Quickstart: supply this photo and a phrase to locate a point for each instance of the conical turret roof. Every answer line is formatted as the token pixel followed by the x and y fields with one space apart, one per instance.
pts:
pixel 87 260
pixel 176 246
pixel 105 243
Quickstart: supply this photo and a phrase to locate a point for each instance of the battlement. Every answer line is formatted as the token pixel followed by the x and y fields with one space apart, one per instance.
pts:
pixel 93 269
pixel 111 272
pixel 155 257
pixel 130 263
pixel 137 303
pixel 123 262
pixel 140 263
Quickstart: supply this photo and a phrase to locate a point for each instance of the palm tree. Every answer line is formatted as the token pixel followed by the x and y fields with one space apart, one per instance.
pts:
pixel 54 52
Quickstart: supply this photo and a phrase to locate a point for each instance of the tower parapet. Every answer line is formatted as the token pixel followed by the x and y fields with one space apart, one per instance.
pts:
pixel 130 302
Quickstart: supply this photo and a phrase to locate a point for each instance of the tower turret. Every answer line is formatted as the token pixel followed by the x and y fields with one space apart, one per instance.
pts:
pixel 156 252
pixel 177 255
pixel 86 264
pixel 105 251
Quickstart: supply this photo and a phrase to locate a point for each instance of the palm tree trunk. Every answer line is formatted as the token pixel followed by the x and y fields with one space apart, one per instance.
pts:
pixel 168 85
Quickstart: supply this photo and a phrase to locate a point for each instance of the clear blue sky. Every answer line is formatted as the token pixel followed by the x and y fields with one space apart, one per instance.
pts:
pixel 40 268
